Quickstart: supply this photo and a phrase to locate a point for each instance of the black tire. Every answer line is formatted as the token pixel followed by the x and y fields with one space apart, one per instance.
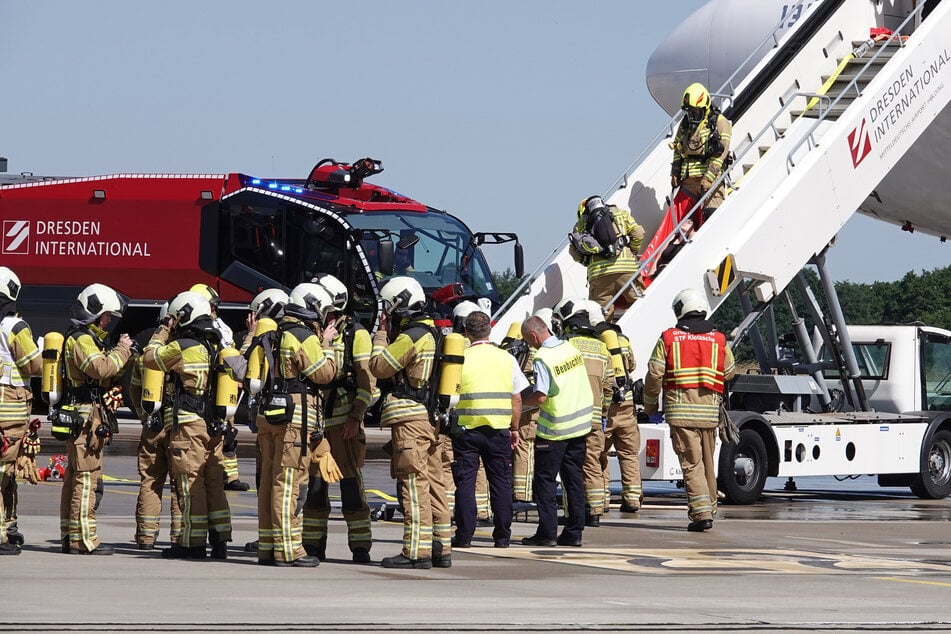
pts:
pixel 746 487
pixel 933 482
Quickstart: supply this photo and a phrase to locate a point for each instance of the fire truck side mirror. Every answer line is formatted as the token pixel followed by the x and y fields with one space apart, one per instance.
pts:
pixel 385 252
pixel 519 261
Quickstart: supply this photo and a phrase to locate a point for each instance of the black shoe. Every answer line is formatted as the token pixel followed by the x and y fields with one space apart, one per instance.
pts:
pixel 699 526
pixel 534 540
pixel 401 561
pixel 318 550
pixel 456 543
pixel 175 551
pixel 101 549
pixel 64 545
pixel 626 508
pixel 237 485
pixel 592 521
pixel 361 556
pixel 15 537
pixel 251 547
pixel 219 550
pixel 502 543
pixel 564 541
pixel 146 546
pixel 307 561
pixel 9 549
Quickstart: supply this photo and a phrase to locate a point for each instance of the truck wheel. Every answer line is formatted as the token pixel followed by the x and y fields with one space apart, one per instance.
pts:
pixel 934 480
pixel 742 469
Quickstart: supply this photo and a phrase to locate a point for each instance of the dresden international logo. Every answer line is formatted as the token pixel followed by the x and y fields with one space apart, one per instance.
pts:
pixel 16 237
pixel 859 144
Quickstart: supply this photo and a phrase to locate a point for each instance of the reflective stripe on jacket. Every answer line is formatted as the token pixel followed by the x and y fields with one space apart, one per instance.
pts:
pixel 485 391
pixel 694 359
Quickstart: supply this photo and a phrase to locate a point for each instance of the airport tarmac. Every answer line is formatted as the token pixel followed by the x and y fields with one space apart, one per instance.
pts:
pixel 830 557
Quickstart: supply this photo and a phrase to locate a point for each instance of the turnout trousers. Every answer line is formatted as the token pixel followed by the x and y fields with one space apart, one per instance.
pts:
pixel 284 464
pixel 624 436
pixel 594 489
pixel 418 463
pixel 153 473
pixel 564 458
pixel 350 455
pixel 191 463
pixel 493 448
pixel 694 447
pixel 81 480
pixel 523 457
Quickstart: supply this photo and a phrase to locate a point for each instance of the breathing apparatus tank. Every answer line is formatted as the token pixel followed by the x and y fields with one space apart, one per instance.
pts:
pixel 52 378
pixel 257 362
pixel 450 374
pixel 515 332
pixel 609 337
pixel 153 384
pixel 226 390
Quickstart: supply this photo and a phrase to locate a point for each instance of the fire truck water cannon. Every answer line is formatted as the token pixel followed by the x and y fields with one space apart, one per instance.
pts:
pixel 332 175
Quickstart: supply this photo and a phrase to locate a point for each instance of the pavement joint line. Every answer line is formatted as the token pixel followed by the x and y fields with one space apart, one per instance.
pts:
pixel 920 581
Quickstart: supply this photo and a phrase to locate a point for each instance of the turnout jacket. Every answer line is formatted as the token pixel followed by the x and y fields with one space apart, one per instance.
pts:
pixel 597 363
pixel 351 402
pixel 626 260
pixel 690 363
pixel 409 362
pixel 19 360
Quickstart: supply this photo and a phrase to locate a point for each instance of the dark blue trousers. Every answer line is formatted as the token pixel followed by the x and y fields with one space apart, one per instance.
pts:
pixel 492 445
pixel 565 458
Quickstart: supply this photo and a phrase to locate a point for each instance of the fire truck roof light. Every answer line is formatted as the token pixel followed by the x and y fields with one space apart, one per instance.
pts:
pixel 256 181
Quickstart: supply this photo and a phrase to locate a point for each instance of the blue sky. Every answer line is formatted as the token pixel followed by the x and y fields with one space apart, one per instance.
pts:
pixel 504 113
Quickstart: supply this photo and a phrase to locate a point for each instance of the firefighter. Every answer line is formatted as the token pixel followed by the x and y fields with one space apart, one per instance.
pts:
pixel 611 266
pixel 229 448
pixel 152 459
pixel 195 437
pixel 404 349
pixel 690 363
pixel 290 426
pixel 19 360
pixel 90 372
pixel 571 316
pixel 489 408
pixel 564 397
pixel 345 402
pixel 622 432
pixel 701 145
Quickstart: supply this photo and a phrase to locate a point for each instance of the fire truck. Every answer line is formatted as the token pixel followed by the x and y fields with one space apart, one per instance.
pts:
pixel 152 235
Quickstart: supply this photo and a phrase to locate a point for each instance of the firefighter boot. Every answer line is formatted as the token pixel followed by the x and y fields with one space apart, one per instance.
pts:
pixel 402 561
pixel 219 547
pixel 318 550
pixel 9 549
pixel 14 536
pixel 440 560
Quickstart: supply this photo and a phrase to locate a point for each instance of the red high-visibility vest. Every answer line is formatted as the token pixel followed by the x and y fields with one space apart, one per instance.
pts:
pixel 694 359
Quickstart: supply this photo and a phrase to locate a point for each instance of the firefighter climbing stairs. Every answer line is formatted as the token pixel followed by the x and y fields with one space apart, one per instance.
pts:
pixel 800 172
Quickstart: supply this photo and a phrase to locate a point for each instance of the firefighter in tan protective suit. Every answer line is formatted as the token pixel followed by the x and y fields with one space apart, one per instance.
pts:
pixel 90 372
pixel 571 317
pixel 196 433
pixel 610 267
pixel 690 363
pixel 290 432
pixel 345 402
pixel 417 461
pixel 701 147
pixel 19 360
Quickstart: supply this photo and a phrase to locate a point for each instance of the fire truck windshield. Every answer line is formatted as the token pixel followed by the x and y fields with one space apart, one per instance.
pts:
pixel 431 247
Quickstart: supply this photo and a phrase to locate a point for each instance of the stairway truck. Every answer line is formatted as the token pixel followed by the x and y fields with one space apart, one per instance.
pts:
pixel 905 439
pixel 152 235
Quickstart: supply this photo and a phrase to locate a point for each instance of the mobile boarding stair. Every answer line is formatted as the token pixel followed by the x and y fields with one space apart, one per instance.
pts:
pixel 808 153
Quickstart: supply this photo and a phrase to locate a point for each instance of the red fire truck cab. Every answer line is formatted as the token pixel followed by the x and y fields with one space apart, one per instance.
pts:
pixel 151 236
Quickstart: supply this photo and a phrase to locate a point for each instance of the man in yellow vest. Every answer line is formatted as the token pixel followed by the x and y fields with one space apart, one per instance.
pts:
pixel 563 395
pixel 690 363
pixel 489 408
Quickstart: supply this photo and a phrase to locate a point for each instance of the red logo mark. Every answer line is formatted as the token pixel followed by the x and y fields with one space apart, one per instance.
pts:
pixel 859 144
pixel 16 237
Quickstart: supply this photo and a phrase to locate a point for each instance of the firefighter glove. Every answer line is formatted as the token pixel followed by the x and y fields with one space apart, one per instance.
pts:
pixel 674 181
pixel 329 471
pixel 26 469
pixel 705 186
pixel 30 446
pixel 113 399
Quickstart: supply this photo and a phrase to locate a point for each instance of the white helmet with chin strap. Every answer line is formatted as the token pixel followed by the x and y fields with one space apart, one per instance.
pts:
pixel 309 301
pixel 402 294
pixel 688 301
pixel 545 315
pixel 335 288
pixel 269 303
pixel 96 300
pixel 189 306
pixel 460 312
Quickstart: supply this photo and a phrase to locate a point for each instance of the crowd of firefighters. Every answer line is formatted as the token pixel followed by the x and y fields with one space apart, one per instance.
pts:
pixel 550 402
